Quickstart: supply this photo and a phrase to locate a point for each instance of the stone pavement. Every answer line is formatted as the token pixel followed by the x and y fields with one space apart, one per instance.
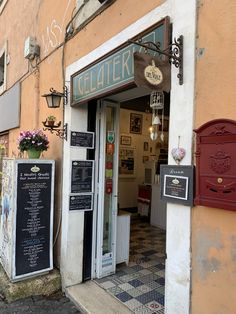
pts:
pixel 54 304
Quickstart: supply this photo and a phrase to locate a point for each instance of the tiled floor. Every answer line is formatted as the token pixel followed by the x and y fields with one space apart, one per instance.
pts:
pixel 141 284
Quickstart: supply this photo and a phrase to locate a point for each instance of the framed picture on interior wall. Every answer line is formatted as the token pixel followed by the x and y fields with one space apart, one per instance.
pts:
pixel 125 140
pixel 145 146
pixel 136 121
pixel 127 162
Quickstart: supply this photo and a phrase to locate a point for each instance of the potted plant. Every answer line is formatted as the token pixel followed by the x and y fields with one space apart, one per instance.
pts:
pixel 34 142
pixel 51 120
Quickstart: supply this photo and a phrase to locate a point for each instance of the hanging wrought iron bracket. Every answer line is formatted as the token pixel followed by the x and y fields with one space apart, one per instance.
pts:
pixel 62 133
pixel 174 52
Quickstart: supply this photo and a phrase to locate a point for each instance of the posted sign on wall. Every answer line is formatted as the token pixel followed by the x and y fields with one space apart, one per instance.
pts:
pixel 177 184
pixel 29 203
pixel 33 218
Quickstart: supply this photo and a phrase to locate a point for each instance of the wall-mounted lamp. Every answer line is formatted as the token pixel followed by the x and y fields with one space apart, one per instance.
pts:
pixel 53 101
pixel 54 98
pixel 156 104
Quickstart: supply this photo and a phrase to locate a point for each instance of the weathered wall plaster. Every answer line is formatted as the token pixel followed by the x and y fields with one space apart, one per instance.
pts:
pixel 213 230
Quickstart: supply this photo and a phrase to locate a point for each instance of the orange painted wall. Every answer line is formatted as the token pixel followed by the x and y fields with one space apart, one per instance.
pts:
pixel 38 19
pixel 41 19
pixel 113 20
pixel 213 230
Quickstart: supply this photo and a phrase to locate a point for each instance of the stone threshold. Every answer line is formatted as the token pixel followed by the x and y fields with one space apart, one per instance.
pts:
pixel 92 299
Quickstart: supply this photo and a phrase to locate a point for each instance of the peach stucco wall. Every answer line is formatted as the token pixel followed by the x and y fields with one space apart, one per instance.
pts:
pixel 214 230
pixel 46 20
pixel 118 16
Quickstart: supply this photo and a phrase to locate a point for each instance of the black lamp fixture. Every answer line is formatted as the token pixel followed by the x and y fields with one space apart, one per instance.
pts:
pixel 53 101
pixel 54 97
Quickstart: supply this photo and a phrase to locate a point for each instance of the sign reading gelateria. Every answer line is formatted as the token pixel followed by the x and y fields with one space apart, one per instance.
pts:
pixel 116 69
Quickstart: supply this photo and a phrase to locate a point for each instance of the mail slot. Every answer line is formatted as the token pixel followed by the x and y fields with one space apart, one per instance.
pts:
pixel 216 164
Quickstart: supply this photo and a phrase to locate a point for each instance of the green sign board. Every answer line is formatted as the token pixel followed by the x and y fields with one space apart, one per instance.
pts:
pixel 114 71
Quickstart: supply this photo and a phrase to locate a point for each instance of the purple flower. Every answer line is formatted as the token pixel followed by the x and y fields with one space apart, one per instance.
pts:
pixel 32 139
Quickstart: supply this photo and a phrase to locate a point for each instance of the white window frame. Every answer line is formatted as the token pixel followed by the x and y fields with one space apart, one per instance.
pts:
pixel 2 5
pixel 3 50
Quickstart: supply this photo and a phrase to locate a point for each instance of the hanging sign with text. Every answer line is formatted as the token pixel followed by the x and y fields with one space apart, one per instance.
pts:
pixel 177 184
pixel 151 72
pixel 82 176
pixel 82 139
pixel 81 202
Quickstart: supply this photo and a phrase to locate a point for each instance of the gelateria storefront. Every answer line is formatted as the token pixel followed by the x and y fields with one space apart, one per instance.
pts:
pixel 113 219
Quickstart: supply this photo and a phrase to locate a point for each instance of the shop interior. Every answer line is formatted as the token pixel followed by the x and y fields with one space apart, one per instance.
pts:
pixel 141 222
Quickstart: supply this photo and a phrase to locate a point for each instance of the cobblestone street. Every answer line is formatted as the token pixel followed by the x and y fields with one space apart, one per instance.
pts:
pixel 54 304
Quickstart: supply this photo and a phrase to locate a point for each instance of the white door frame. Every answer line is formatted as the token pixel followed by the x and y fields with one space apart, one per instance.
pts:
pixel 177 290
pixel 99 270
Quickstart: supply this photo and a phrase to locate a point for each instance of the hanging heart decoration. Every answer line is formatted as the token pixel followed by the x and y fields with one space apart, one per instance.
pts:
pixel 178 154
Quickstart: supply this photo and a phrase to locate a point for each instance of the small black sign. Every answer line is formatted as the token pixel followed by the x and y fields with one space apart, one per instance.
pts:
pixel 33 223
pixel 82 176
pixel 177 184
pixel 82 139
pixel 81 202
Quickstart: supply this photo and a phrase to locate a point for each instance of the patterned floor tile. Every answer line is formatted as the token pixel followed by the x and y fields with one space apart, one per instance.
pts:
pixel 143 310
pixel 161 300
pixel 161 266
pixel 160 273
pixel 115 290
pixel 149 278
pixel 116 281
pixel 160 289
pixel 145 264
pixel 107 284
pixel 140 285
pixel 154 306
pixel 154 269
pixel 135 283
pixel 124 296
pixel 161 281
pixel 134 292
pixel 144 272
pixel 125 286
pixel 137 267
pixel 153 262
pixel 150 296
pixel 130 277
pixel 153 285
pixel 129 270
pixel 133 304
pixel 144 288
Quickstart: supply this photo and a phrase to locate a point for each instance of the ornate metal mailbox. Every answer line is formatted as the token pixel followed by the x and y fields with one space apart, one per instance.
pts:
pixel 216 164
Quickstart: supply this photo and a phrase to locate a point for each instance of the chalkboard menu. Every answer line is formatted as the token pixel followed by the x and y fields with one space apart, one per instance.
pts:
pixel 177 184
pixel 82 176
pixel 82 139
pixel 81 202
pixel 33 217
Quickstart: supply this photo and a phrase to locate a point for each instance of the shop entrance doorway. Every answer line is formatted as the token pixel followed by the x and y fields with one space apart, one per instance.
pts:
pixel 131 217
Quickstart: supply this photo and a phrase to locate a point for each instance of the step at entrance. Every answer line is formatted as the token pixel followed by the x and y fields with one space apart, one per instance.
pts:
pixel 92 299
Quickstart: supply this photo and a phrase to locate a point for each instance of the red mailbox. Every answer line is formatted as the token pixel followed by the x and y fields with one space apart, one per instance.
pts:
pixel 216 164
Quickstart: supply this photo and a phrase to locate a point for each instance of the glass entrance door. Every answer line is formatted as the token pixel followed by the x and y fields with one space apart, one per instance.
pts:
pixel 107 143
